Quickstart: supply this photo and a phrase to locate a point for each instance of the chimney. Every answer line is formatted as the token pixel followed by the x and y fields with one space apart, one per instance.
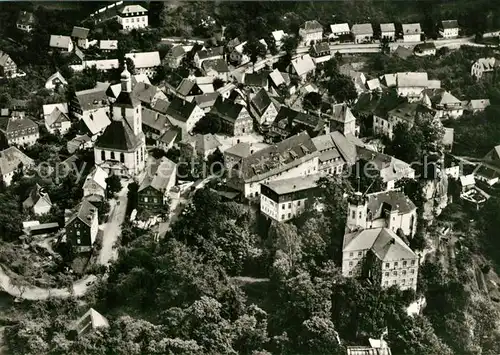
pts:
pixel 393 241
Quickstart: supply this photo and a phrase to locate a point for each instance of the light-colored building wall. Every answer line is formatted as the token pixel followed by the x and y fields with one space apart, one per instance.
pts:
pixel 283 211
pixel 449 32
pixel 41 207
pixel 402 273
pixel 131 22
pixel 134 162
pixel 411 38
pixel 24 140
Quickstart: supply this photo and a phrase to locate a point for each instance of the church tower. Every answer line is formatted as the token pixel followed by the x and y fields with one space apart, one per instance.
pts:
pixel 126 106
pixel 357 211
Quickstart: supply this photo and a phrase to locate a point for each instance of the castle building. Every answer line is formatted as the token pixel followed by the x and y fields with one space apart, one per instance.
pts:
pixel 121 149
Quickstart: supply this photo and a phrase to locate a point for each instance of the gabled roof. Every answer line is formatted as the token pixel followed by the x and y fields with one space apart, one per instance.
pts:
pixel 387 27
pixel 244 149
pixel 321 47
pixel 126 99
pixel 185 87
pixel 203 143
pixel 425 46
pixel 362 29
pixel 97 175
pixel 159 175
pixel 57 41
pixel 256 79
pixel 80 32
pixel 4 58
pixel 373 84
pixel 282 156
pixel 97 121
pixel 131 9
pixel 312 26
pixel 383 242
pixel 180 109
pixel 210 52
pixel 85 212
pixel 402 52
pixel 176 51
pixel 338 112
pixel 279 78
pixel 145 59
pixel 26 18
pixel 12 124
pixel 411 29
pixel 479 104
pixel 205 100
pixel 91 320
pixel 161 106
pixel 47 109
pixel 35 195
pixel 56 116
pixel 412 79
pixel 389 200
pixel 92 98
pixel 346 148
pixel 57 75
pixel 219 65
pixel 261 101
pixel 447 24
pixel 278 35
pixel 303 64
pixel 118 136
pixel 155 119
pixel 169 136
pixel 441 97
pixel 226 109
pixel 145 92
pixel 340 28
pixel 10 159
pixel 448 136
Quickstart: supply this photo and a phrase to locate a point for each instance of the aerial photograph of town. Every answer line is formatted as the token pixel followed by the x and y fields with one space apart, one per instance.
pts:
pixel 254 177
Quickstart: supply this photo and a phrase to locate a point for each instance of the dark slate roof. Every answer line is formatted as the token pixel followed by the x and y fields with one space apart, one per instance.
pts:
pixel 321 47
pixel 85 212
pixel 256 79
pixel 126 99
pixel 219 65
pixel 392 200
pixel 161 106
pixel 261 101
pixel 118 135
pixel 92 98
pixel 449 24
pixel 26 18
pixel 186 86
pixel 206 100
pixel 155 119
pixel 80 32
pixel 180 109
pixel 425 46
pixel 226 109
pixel 312 26
pixel 210 52
pixel 144 92
pixel 279 157
pixel 177 51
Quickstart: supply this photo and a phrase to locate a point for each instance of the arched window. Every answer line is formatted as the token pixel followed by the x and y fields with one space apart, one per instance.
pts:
pixel 113 155
pixel 103 155
pixel 122 158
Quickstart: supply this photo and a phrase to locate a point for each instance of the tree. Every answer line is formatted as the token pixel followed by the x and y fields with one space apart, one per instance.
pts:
pixel 5 100
pixel 254 49
pixel 311 101
pixel 218 83
pixel 290 44
pixel 113 185
pixel 384 46
pixel 130 65
pixel 342 88
pixel 209 123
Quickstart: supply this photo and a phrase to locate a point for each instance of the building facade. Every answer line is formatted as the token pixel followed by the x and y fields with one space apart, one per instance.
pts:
pixel 133 17
pixel 82 226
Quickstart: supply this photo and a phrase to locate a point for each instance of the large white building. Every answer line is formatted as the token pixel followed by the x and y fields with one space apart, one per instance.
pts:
pixel 133 17
pixel 285 199
pixel 412 32
pixel 449 28
pixel 121 149
pixel 311 31
pixel 145 62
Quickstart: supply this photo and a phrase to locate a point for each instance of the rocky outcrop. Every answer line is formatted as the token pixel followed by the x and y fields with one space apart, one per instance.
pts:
pixel 435 195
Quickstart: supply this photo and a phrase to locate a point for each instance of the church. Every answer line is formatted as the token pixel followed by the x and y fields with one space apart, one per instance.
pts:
pixel 121 149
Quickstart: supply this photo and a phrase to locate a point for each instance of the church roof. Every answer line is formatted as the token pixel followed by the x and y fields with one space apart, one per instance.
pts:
pixel 126 99
pixel 118 135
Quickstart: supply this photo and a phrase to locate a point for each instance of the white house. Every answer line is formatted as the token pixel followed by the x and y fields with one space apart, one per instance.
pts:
pixel 38 201
pixel 133 17
pixel 412 32
pixel 339 29
pixel 311 31
pixel 484 66
pixel 449 29
pixel 301 66
pixel 80 35
pixel 363 33
pixel 145 62
pixel 184 114
pixel 95 184
pixel 56 118
pixel 54 81
pixel 278 37
pixel 10 160
pixel 411 84
pixel 388 31
pixel 63 43
pixel 285 199
pixel 108 45
pixel 425 49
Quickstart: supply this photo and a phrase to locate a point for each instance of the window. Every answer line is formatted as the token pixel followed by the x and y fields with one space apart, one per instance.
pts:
pixel 350 263
pixel 122 158
pixel 404 272
pixel 289 205
pixel 351 254
pixel 155 200
pixel 386 283
pixel 411 281
pixel 395 264
pixel 386 274
pixel 298 203
pixel 403 281
pixel 283 206
pixel 78 241
pixel 103 155
pixel 394 273
pixel 360 253
pixel 413 262
pixel 145 199
pixel 387 265
pixel 77 232
pixel 393 282
pixel 360 214
pixel 282 216
pixel 289 215
pixel 353 214
pixel 113 155
pixel 412 271
pixel 404 263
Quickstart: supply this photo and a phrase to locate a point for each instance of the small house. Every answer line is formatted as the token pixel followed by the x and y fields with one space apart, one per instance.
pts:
pixel 25 21
pixel 94 187
pixel 235 119
pixel 80 35
pixel 311 32
pixel 412 32
pixel 387 31
pixel 362 33
pixel 62 43
pixel 155 188
pixel 38 201
pixel 82 226
pixel 7 66
pixel 425 49
pixel 449 29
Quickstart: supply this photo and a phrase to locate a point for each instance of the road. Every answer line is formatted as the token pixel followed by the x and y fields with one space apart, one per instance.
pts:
pixel 111 232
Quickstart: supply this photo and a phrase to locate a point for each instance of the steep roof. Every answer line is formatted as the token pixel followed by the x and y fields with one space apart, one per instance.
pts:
pixel 57 75
pixel 203 142
pixel 26 18
pixel 11 124
pixel 412 79
pixel 185 86
pixel 321 47
pixel 227 109
pixel 256 79
pixel 10 159
pixel 4 57
pixel 91 320
pixel 180 109
pixel 118 135
pixel 92 98
pixel 312 26
pixel 97 121
pixel 279 78
pixel 387 27
pixel 261 101
pixel 282 156
pixel 205 100
pixel 145 59
pixel 161 106
pixel 403 52
pixel 411 29
pixel 286 186
pixel 84 212
pixel 145 92
pixel 219 65
pixel 392 200
pixel 383 242
pixel 303 64
pixel 176 51
pixel 340 28
pixel 35 195
pixel 244 149
pixel 362 29
pixel 338 112
pixel 56 116
pixel 447 24
pixel 346 148
pixel 373 84
pixel 278 35
pixel 58 41
pixel 480 104
pixel 210 52
pixel 97 175
pixel 80 32
pixel 47 109
pixel 159 176
pixel 126 99
pixel 441 97
pixel 155 119
pixel 130 9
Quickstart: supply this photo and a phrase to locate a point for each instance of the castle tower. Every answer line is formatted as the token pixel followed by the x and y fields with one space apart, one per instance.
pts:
pixel 357 211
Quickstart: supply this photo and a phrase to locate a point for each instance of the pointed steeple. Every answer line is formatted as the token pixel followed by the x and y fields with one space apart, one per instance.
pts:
pixel 126 80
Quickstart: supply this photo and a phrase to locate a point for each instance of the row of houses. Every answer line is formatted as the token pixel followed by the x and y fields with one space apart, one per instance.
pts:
pixel 312 31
